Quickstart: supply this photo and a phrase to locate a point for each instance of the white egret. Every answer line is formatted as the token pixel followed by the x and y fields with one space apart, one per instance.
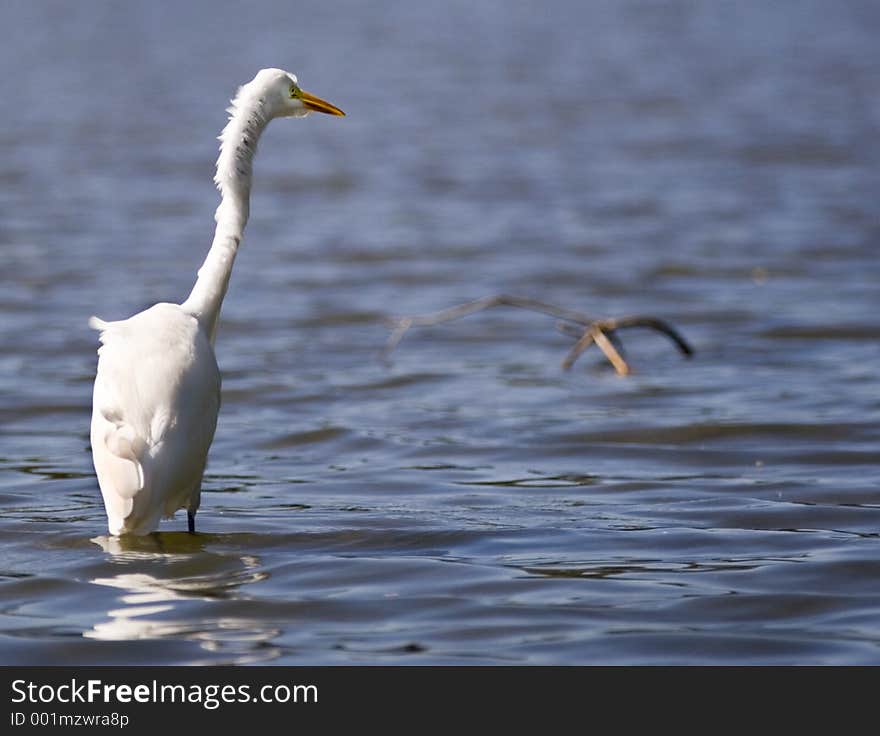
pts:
pixel 157 389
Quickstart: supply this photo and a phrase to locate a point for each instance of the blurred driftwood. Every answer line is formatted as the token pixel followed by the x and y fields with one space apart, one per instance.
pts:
pixel 600 332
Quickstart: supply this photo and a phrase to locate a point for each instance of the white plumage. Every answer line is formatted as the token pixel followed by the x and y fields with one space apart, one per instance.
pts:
pixel 157 389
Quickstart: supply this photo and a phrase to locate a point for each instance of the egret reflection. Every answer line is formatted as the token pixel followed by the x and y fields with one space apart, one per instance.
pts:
pixel 169 600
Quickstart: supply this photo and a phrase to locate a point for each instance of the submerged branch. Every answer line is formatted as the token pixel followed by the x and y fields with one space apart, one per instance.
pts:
pixel 588 331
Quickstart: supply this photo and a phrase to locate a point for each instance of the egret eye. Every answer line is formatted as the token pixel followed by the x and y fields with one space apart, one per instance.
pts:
pixel 294 91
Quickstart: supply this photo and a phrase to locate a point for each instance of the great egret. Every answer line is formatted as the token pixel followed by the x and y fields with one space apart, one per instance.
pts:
pixel 157 389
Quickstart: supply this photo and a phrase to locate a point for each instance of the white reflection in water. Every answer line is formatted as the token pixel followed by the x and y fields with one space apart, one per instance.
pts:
pixel 154 607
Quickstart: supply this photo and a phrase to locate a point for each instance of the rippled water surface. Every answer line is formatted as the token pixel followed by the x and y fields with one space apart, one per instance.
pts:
pixel 715 164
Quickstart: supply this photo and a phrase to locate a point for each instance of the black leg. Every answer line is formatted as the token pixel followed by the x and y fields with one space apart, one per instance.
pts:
pixel 191 522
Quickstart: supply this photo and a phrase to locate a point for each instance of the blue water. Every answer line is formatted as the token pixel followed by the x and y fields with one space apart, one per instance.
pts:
pixel 714 164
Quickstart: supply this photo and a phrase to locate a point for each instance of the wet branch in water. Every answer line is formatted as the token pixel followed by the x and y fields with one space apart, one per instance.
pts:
pixel 588 331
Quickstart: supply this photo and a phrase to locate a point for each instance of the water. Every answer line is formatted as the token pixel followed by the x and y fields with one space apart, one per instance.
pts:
pixel 715 164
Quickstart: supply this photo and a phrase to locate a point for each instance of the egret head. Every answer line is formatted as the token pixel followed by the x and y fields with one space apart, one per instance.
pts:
pixel 286 98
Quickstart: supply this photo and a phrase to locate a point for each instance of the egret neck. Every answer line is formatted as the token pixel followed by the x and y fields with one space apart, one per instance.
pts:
pixel 248 117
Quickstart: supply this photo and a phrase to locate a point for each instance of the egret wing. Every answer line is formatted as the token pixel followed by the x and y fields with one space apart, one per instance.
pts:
pixel 118 443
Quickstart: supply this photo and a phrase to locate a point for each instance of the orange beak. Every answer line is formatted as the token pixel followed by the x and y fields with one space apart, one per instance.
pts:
pixel 318 105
